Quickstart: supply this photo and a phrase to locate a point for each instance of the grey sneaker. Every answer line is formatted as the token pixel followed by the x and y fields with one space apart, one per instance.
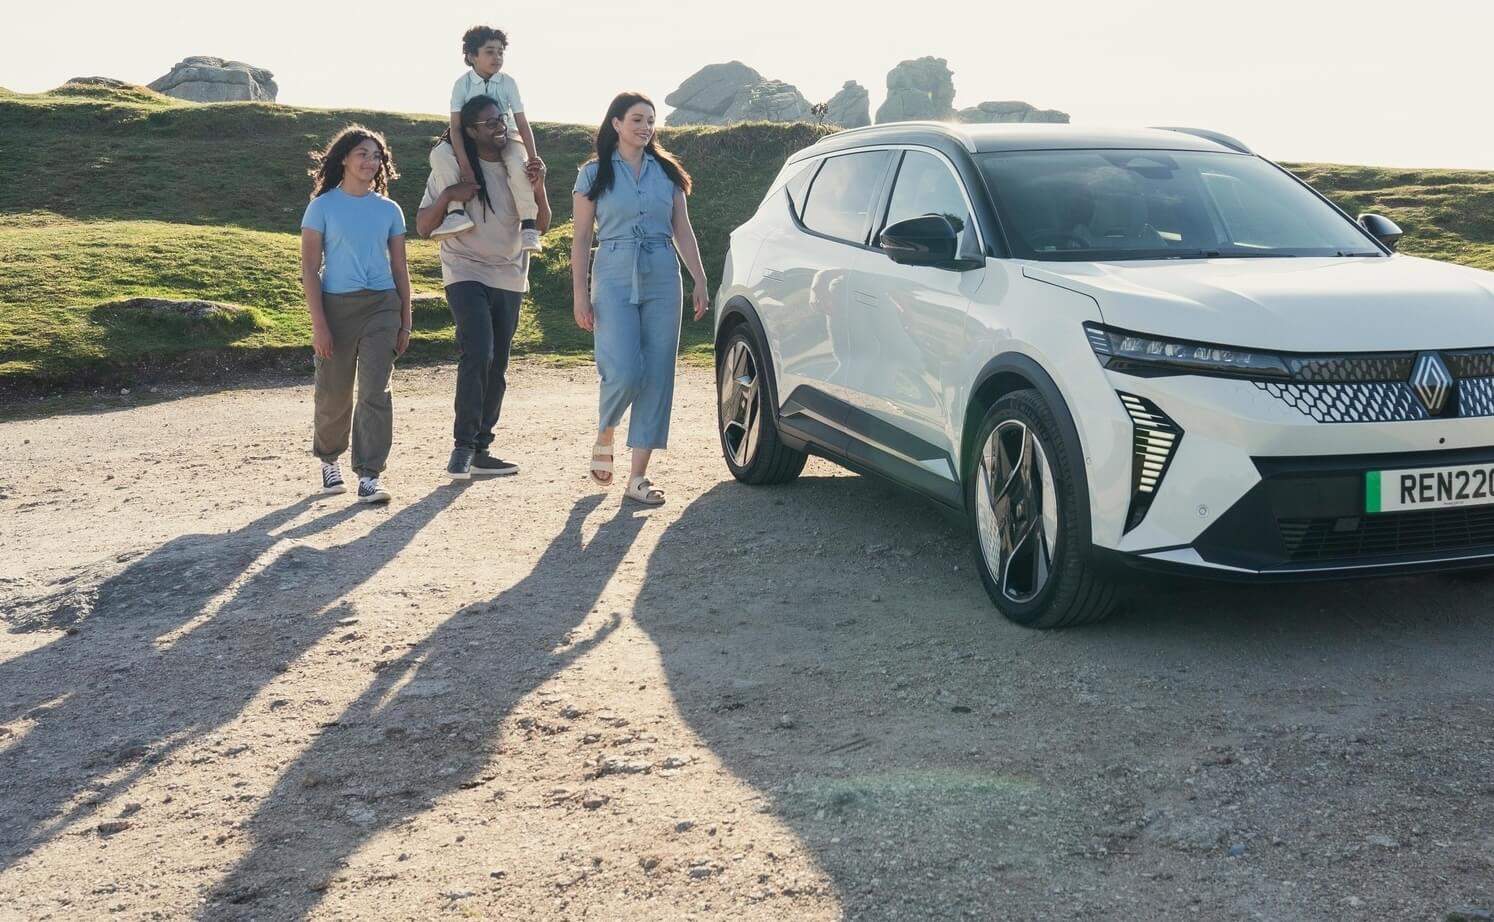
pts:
pixel 489 466
pixel 369 491
pixel 332 478
pixel 531 240
pixel 460 465
pixel 456 222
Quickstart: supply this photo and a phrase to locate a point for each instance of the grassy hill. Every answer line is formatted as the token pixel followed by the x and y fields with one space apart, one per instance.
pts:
pixel 107 194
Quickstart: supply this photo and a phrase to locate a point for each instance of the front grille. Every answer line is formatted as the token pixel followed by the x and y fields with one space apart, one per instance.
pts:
pixel 1388 535
pixel 1350 403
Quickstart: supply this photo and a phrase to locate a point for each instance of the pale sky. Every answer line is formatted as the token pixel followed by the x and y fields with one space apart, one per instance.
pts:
pixel 1372 81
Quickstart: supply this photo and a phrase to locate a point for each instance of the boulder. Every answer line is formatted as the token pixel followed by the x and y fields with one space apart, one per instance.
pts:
pixel 1010 111
pixel 203 79
pixel 705 97
pixel 918 89
pixel 851 107
pixel 769 101
pixel 109 82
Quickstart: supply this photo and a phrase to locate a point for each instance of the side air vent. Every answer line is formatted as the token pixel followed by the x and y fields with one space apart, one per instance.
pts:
pixel 1154 440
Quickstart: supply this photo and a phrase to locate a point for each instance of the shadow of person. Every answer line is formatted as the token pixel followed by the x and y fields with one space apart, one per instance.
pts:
pixel 830 642
pixel 169 650
pixel 426 727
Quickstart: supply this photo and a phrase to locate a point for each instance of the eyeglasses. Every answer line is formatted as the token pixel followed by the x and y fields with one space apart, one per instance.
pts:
pixel 491 124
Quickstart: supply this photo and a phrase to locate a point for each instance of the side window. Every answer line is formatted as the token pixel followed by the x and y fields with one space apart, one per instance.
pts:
pixel 926 186
pixel 843 194
pixel 798 186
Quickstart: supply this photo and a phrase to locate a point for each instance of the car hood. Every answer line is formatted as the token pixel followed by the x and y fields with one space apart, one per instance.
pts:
pixel 1291 304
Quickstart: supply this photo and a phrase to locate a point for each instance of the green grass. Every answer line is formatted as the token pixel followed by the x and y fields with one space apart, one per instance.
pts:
pixel 114 193
pixel 107 194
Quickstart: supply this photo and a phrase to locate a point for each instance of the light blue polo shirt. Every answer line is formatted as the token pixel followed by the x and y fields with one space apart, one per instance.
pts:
pixel 355 230
pixel 501 87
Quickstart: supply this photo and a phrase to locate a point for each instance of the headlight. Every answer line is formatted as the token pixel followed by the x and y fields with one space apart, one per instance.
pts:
pixel 1139 353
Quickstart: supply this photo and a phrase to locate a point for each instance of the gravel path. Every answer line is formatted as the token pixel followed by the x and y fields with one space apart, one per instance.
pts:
pixel 222 698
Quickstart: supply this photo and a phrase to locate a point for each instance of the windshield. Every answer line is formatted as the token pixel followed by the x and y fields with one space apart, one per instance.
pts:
pixel 1148 204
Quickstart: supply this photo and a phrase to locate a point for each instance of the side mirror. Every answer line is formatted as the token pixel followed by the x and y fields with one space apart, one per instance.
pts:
pixel 927 240
pixel 1382 229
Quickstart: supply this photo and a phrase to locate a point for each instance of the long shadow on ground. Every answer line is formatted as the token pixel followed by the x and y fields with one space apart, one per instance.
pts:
pixel 389 745
pixel 1233 752
pixel 109 702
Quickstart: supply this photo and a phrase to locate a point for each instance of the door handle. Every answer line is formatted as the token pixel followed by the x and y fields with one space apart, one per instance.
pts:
pixel 865 297
pixel 773 274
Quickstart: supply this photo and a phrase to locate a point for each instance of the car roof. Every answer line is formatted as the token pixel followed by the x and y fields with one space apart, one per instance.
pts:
pixel 1022 136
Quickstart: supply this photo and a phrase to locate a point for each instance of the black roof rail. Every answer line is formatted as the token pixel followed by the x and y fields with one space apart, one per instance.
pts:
pixel 1207 135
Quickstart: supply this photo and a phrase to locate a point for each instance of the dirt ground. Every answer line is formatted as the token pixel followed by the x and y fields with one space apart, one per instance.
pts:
pixel 224 697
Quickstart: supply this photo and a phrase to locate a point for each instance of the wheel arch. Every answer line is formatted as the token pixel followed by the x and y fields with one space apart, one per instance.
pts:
pixel 739 312
pixel 1006 374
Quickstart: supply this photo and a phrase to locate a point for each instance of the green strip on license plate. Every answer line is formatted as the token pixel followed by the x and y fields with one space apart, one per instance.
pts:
pixel 1372 491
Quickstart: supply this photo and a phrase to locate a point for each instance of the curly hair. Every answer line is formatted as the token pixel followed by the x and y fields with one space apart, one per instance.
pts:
pixel 477 36
pixel 326 169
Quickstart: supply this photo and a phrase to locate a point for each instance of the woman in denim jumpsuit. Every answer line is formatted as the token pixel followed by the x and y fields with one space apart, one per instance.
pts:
pixel 634 191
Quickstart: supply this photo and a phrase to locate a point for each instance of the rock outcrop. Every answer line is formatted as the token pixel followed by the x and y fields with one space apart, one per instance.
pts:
pixel 918 89
pixel 109 82
pixel 851 107
pixel 709 93
pixel 769 101
pixel 203 79
pixel 1010 111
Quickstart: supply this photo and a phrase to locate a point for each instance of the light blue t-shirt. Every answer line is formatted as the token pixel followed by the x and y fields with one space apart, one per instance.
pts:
pixel 355 230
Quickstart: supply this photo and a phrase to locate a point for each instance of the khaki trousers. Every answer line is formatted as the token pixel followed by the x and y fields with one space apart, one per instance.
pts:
pixel 365 326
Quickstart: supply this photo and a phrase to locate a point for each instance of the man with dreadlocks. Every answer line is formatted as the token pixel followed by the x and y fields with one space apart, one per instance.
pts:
pixel 486 272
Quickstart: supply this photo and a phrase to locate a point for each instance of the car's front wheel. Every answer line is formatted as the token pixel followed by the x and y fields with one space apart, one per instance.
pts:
pixel 745 416
pixel 1030 529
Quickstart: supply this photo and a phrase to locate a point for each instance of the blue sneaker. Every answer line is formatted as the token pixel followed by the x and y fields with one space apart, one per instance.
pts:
pixel 369 491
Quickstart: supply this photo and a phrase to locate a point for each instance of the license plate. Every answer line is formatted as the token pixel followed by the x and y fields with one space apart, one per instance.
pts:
pixel 1429 488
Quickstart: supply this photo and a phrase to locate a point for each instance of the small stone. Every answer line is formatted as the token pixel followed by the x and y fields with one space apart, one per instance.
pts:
pixel 1237 850
pixel 1382 842
pixel 345 622
pixel 785 722
pixel 1470 915
pixel 455 895
pixel 124 392
pixel 699 871
pixel 570 712
pixel 497 873
pixel 594 801
pixel 649 862
pixel 676 762
pixel 113 827
pixel 876 598
pixel 684 826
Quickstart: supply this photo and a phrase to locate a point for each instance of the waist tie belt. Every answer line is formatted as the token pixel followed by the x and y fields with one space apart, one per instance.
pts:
pixel 640 243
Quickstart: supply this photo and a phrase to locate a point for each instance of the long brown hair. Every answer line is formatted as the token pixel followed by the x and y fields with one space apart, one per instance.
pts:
pixel 607 145
pixel 326 170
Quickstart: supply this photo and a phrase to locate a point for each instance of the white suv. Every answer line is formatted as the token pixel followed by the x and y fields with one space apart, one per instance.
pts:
pixel 1150 348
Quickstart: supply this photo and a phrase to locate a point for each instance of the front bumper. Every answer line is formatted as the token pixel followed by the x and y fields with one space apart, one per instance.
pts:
pixel 1257 488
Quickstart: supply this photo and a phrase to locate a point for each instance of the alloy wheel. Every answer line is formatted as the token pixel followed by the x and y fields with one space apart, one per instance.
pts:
pixel 741 404
pixel 1016 511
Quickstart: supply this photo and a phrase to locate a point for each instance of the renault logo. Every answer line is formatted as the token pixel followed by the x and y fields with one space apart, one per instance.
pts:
pixel 1432 382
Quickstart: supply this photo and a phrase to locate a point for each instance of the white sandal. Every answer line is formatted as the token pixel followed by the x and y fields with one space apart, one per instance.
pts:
pixel 599 466
pixel 640 490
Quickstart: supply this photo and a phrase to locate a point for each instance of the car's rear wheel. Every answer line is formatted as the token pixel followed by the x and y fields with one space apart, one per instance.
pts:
pixel 745 416
pixel 1031 531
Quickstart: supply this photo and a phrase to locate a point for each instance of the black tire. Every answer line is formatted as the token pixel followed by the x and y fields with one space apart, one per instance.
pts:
pixel 1072 592
pixel 751 447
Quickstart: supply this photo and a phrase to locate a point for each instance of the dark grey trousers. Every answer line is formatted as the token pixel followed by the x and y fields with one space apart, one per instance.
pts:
pixel 485 322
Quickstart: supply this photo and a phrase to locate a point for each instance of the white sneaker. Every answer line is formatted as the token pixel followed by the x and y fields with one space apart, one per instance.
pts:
pixel 369 491
pixel 332 478
pixel 456 222
pixel 531 238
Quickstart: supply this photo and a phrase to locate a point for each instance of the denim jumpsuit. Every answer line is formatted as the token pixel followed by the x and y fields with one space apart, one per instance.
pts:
pixel 636 295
